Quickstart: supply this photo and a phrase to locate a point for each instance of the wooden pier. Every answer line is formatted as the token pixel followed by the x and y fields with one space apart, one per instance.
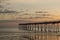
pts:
pixel 42 29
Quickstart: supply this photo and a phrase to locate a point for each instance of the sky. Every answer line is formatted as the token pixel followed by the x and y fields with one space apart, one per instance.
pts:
pixel 31 10
pixel 23 11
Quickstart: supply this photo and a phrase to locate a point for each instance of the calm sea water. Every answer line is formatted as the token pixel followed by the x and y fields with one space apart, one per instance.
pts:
pixel 28 36
pixel 15 34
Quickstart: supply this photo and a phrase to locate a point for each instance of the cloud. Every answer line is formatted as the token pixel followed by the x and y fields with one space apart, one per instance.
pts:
pixel 41 12
pixel 25 1
pixel 34 16
pixel 7 11
pixel 1 6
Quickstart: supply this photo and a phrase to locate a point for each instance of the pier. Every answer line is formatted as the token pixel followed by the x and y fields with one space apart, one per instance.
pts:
pixel 42 30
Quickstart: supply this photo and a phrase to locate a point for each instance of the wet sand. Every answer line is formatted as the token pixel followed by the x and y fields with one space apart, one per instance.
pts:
pixel 27 36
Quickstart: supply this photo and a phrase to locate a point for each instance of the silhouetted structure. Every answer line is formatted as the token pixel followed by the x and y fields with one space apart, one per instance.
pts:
pixel 51 27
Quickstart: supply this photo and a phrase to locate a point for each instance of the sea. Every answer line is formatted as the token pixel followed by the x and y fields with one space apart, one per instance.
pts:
pixel 17 34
